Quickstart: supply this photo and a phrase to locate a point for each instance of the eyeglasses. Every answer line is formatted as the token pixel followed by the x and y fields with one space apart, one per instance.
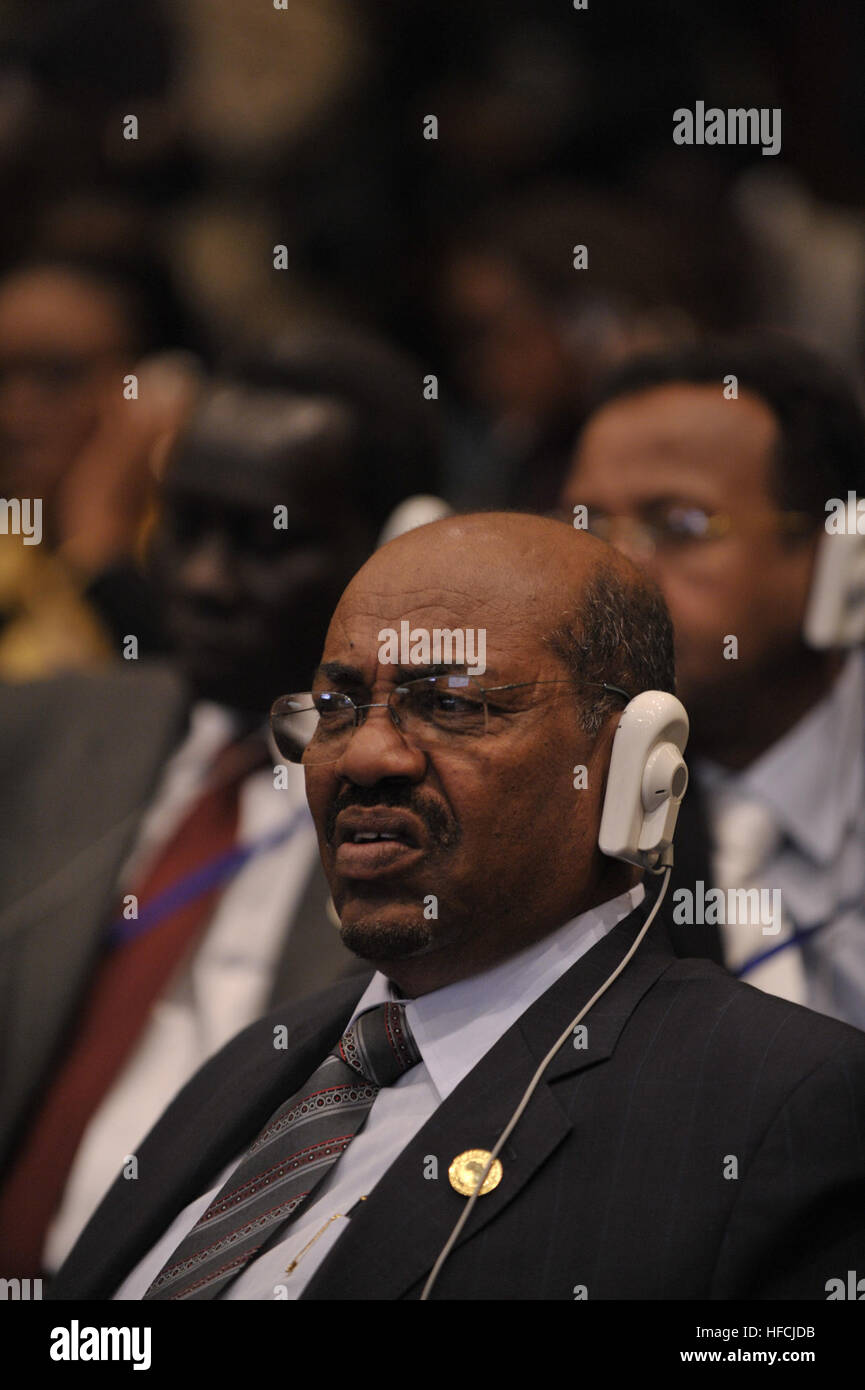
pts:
pixel 430 711
pixel 673 527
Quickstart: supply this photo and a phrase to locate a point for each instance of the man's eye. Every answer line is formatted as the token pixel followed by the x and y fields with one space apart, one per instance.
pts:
pixel 684 523
pixel 446 707
pixel 330 706
pixel 446 703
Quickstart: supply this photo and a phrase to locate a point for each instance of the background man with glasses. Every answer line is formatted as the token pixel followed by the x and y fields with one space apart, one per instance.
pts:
pixel 711 466
pixel 328 1153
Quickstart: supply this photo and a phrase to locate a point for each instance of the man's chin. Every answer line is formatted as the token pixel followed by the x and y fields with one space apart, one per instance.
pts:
pixel 378 933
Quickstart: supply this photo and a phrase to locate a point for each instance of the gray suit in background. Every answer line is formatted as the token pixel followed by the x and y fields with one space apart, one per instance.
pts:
pixel 80 760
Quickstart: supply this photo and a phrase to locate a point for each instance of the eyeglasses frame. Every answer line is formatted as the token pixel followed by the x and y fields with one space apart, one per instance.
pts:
pixel 484 691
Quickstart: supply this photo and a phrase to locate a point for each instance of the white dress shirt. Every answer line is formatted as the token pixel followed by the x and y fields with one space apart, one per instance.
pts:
pixel 812 782
pixel 453 1028
pixel 222 988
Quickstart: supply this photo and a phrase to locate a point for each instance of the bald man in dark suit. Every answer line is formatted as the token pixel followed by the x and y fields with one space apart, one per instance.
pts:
pixel 695 1138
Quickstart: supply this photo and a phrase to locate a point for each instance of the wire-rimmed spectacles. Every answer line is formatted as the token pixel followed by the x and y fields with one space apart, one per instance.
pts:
pixel 673 527
pixel 429 711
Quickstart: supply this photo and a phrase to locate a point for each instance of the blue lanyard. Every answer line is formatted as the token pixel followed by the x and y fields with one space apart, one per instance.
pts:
pixel 795 940
pixel 215 871
pixel 799 935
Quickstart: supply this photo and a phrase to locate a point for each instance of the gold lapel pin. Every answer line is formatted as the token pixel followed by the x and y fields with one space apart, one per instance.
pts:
pixel 467 1167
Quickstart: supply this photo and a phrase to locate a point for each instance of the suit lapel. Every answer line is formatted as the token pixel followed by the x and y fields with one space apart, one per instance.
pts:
pixel 392 1243
pixel 394 1238
pixel 211 1122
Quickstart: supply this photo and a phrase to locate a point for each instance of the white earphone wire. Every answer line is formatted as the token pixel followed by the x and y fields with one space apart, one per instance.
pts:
pixel 532 1086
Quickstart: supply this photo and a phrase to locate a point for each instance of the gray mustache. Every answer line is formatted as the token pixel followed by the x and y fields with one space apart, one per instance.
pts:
pixel 443 829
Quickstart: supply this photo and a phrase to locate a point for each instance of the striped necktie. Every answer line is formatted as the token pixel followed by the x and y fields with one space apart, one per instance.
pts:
pixel 299 1144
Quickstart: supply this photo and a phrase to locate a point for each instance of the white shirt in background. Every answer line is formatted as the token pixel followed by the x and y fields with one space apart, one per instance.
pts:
pixel 812 784
pixel 226 984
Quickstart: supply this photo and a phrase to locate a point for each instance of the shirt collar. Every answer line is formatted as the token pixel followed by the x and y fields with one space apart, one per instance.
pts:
pixel 454 1027
pixel 813 778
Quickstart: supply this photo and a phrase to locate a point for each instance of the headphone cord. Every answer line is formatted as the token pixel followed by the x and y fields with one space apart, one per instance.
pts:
pixel 531 1088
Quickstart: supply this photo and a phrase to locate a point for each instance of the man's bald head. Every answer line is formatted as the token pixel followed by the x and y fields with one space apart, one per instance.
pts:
pixel 543 561
pixel 589 604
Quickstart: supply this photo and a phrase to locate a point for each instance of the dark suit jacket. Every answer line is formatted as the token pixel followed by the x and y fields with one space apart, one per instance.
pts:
pixel 80 758
pixel 692 863
pixel 618 1176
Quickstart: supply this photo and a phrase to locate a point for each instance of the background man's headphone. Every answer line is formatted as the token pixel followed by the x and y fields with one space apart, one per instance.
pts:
pixel 835 615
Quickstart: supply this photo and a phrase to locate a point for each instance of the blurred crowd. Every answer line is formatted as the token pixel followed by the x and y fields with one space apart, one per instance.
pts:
pixel 185 181
pixel 252 299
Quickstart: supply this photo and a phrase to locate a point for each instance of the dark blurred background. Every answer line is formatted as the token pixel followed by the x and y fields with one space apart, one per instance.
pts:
pixel 302 127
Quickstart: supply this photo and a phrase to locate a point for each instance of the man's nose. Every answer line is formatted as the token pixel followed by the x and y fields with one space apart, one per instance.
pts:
pixel 378 749
pixel 207 571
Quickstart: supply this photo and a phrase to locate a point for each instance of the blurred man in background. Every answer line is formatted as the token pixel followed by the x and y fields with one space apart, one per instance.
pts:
pixel 713 466
pixel 160 881
pixel 538 298
pixel 87 393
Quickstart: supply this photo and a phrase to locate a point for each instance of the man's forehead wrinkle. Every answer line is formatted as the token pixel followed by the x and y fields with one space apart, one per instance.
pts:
pixel 406 590
pixel 482 604
pixel 498 587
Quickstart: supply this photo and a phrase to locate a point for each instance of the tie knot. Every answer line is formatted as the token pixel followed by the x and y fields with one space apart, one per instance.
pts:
pixel 379 1044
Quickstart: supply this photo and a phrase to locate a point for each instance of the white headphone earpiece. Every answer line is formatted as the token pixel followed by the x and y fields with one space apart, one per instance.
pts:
pixel 646 781
pixel 835 615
